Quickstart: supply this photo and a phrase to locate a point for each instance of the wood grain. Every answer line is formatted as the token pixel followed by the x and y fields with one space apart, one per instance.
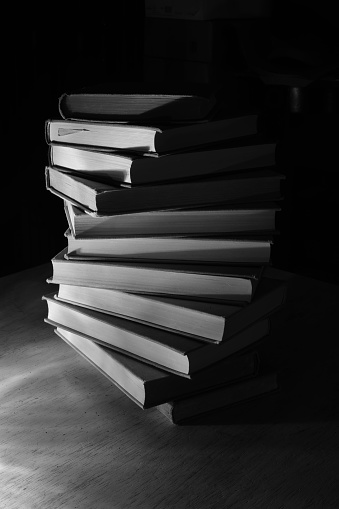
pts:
pixel 70 439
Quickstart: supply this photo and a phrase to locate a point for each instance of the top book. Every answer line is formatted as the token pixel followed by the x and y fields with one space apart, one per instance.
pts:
pixel 131 101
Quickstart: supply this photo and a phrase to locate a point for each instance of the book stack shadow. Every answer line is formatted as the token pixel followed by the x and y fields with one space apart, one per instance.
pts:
pixel 171 208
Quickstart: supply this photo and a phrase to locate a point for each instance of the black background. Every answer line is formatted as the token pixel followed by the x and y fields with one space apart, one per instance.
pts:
pixel 53 49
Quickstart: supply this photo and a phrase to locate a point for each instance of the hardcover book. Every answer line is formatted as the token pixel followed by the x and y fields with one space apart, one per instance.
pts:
pixel 205 401
pixel 237 219
pixel 170 351
pixel 147 385
pixel 104 199
pixel 138 100
pixel 150 138
pixel 204 320
pixel 198 281
pixel 252 251
pixel 147 168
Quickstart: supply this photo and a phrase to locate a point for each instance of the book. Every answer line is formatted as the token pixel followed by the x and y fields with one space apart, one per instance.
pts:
pixel 102 198
pixel 159 138
pixel 207 321
pixel 171 248
pixel 181 409
pixel 236 219
pixel 138 100
pixel 170 351
pixel 200 281
pixel 149 386
pixel 148 168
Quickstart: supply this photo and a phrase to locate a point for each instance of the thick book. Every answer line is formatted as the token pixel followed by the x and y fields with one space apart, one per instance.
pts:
pixel 199 281
pixel 251 251
pixel 138 100
pixel 237 219
pixel 149 386
pixel 101 198
pixel 168 350
pixel 112 166
pixel 149 138
pixel 207 321
pixel 218 397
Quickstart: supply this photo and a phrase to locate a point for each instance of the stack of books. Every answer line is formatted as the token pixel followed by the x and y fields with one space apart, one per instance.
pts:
pixel 172 214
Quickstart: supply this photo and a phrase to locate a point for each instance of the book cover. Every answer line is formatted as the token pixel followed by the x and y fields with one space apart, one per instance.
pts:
pixel 147 385
pixel 199 281
pixel 121 167
pixel 204 320
pixel 138 100
pixel 103 199
pixel 255 250
pixel 170 351
pixel 213 221
pixel 152 137
pixel 182 409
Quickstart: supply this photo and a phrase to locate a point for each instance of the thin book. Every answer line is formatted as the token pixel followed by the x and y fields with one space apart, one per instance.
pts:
pixel 207 321
pixel 252 251
pixel 139 100
pixel 159 138
pixel 103 199
pixel 202 402
pixel 239 219
pixel 147 168
pixel 170 351
pixel 149 386
pixel 198 281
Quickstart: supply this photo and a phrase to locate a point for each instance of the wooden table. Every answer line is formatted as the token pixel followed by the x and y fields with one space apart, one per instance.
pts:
pixel 70 439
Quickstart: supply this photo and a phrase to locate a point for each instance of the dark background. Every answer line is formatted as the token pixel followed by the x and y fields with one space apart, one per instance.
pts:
pixel 286 65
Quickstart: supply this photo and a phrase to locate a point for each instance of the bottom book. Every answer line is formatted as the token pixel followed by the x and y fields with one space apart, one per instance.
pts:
pixel 181 409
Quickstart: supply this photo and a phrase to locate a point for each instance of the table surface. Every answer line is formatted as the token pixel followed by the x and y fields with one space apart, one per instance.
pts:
pixel 71 439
